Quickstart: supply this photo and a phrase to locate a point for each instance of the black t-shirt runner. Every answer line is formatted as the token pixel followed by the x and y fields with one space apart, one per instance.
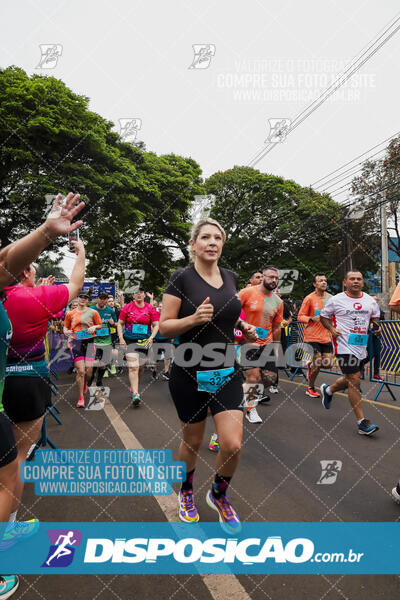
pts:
pixel 187 285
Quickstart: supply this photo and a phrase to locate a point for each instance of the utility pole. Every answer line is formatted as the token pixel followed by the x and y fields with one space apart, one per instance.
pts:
pixel 385 255
pixel 347 243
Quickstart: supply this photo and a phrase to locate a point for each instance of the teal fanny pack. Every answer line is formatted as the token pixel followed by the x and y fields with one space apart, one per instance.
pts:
pixel 36 368
pixel 211 381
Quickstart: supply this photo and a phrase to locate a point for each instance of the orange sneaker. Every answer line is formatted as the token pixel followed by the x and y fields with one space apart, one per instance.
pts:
pixel 311 392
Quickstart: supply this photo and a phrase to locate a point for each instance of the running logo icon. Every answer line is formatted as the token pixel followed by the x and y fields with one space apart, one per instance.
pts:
pixel 203 54
pixel 253 393
pixel 330 470
pixel 278 130
pixel 287 279
pixel 63 543
pixel 132 279
pixel 128 129
pixel 50 55
pixel 357 306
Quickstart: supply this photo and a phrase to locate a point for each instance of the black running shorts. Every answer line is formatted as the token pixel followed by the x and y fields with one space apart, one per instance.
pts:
pixel 349 363
pixel 26 398
pixel 192 406
pixel 260 356
pixel 133 347
pixel 83 350
pixel 103 353
pixel 321 348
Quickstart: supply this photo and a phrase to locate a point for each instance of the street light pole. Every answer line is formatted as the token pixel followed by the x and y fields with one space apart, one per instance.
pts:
pixel 385 255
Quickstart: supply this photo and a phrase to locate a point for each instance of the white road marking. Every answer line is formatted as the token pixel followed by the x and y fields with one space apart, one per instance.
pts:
pixel 219 586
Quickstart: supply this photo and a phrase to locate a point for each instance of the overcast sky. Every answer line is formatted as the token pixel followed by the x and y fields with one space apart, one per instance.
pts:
pixel 271 59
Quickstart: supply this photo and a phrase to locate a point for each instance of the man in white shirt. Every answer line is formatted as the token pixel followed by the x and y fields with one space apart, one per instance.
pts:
pixel 348 316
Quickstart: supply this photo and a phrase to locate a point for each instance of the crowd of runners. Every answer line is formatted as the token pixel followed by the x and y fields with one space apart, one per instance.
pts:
pixel 221 348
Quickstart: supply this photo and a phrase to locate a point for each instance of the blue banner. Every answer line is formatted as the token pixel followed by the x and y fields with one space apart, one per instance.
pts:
pixel 81 472
pixel 94 288
pixel 166 548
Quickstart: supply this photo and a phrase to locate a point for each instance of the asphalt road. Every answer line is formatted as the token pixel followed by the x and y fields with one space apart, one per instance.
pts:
pixel 276 481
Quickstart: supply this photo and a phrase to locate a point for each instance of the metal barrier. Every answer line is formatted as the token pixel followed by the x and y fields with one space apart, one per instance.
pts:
pixel 298 352
pixel 389 356
pixel 43 441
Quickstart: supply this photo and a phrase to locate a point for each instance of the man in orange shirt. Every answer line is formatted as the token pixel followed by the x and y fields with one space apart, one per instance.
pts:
pixel 255 279
pixel 264 309
pixel 315 333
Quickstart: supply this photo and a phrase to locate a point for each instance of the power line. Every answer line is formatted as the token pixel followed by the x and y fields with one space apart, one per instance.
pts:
pixel 347 186
pixel 354 159
pixel 348 72
pixel 358 168
pixel 374 193
pixel 357 58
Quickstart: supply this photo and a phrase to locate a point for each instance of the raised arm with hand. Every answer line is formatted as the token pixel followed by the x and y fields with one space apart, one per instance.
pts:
pixel 16 256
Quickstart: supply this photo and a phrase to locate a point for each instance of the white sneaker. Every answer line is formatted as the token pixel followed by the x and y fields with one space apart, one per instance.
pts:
pixel 273 389
pixel 252 416
pixel 395 495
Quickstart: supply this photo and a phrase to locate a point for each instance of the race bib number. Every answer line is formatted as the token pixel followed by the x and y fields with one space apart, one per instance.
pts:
pixel 103 331
pixel 358 339
pixel 139 329
pixel 262 333
pixel 211 381
pixel 83 335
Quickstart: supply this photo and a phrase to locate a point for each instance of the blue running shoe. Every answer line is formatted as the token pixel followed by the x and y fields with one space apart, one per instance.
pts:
pixel 187 510
pixel 17 532
pixel 227 515
pixel 326 398
pixel 367 428
pixel 135 400
pixel 8 585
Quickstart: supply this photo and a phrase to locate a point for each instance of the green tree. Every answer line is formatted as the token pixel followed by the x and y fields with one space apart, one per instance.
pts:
pixel 137 203
pixel 366 195
pixel 51 142
pixel 159 243
pixel 48 267
pixel 269 219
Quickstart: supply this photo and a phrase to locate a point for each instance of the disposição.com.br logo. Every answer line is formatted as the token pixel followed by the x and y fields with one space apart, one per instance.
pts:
pixel 63 543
